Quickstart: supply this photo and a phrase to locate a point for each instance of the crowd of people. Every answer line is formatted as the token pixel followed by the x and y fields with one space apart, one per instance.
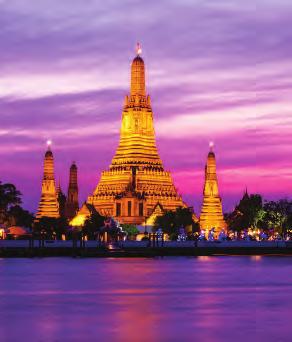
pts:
pixel 244 235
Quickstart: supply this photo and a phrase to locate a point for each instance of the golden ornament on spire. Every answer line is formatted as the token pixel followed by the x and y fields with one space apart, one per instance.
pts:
pixel 138 49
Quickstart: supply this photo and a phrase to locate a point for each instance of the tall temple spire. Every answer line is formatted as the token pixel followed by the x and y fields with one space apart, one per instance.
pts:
pixel 211 213
pixel 136 180
pixel 138 74
pixel 137 139
pixel 72 204
pixel 48 205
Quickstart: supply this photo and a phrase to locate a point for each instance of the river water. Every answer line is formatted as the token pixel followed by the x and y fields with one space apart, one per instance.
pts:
pixel 165 299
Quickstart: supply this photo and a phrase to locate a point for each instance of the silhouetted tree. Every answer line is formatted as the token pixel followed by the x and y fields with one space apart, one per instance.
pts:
pixel 92 226
pixel 171 221
pixel 52 227
pixel 9 197
pixel 249 213
pixel 61 227
pixel 20 217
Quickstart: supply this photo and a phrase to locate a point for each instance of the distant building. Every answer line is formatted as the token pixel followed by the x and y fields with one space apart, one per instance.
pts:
pixel 211 213
pixel 72 204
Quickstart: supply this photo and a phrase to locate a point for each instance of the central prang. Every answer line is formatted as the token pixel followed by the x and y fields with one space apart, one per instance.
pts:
pixel 136 182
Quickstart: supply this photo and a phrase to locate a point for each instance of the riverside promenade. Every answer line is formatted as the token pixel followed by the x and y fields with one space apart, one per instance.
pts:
pixel 75 248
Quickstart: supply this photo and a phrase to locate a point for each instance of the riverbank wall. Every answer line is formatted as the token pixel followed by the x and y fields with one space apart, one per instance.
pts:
pixel 48 248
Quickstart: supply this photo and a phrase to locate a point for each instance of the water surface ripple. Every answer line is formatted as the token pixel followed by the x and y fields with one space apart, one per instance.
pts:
pixel 165 299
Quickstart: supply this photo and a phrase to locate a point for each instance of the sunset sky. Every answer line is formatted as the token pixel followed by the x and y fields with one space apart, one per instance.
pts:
pixel 216 71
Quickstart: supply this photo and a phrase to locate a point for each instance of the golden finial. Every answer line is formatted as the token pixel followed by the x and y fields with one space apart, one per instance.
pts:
pixel 138 49
pixel 49 143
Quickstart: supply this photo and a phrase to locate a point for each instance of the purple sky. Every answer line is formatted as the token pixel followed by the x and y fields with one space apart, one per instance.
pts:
pixel 216 70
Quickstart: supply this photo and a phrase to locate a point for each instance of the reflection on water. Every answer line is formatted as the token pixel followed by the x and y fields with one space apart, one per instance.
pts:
pixel 164 299
pixel 256 257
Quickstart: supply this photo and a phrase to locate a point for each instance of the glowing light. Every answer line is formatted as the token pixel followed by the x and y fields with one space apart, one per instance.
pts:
pixel 49 143
pixel 256 257
pixel 204 258
pixel 211 144
pixel 138 49
pixel 78 220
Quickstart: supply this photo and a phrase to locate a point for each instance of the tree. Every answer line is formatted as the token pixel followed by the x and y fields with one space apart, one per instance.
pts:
pixel 166 222
pixel 130 229
pixel 93 224
pixel 278 215
pixel 20 217
pixel 249 213
pixel 47 225
pixel 9 196
pixel 171 221
pixel 61 227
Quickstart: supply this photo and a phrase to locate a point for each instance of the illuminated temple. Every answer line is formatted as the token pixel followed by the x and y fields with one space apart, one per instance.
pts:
pixel 211 213
pixel 136 184
pixel 48 206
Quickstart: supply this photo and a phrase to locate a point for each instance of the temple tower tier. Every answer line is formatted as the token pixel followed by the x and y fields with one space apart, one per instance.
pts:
pixel 211 212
